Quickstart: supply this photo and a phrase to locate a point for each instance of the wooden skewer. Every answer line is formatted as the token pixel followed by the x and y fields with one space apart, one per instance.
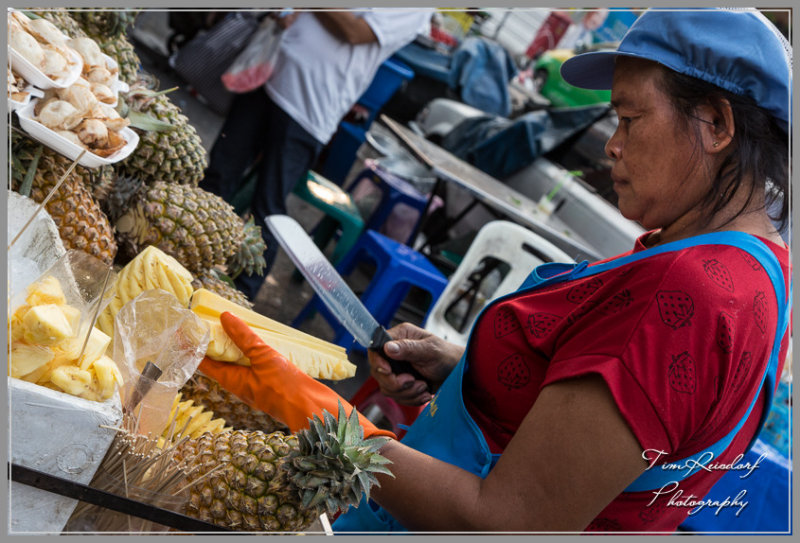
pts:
pixel 46 199
pixel 96 312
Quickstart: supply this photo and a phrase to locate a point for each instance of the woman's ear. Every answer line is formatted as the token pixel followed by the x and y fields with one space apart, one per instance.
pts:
pixel 718 129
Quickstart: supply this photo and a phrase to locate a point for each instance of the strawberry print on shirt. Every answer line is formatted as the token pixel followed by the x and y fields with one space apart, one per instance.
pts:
pixel 688 335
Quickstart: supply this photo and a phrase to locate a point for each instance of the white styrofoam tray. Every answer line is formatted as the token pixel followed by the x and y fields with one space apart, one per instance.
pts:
pixel 32 92
pixel 59 434
pixel 36 77
pixel 41 133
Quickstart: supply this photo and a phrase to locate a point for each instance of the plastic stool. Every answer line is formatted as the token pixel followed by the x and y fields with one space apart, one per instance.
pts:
pixel 497 242
pixel 340 212
pixel 397 269
pixel 394 191
pixel 342 151
pixel 388 79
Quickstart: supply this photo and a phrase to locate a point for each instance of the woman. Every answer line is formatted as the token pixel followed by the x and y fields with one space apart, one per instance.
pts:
pixel 575 391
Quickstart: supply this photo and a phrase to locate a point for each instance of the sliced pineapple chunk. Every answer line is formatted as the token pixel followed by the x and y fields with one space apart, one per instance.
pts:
pixel 108 374
pixel 73 316
pixel 95 348
pixel 25 358
pixel 46 291
pixel 72 380
pixel 46 325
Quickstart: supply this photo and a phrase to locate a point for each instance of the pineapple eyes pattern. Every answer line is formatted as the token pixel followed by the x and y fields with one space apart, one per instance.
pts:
pixel 760 311
pixel 675 307
pixel 541 324
pixel 581 291
pixel 513 372
pixel 717 272
pixel 725 332
pixel 681 374
pixel 505 322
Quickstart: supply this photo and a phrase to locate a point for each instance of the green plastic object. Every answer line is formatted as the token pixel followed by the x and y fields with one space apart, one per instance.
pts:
pixel 549 83
pixel 340 211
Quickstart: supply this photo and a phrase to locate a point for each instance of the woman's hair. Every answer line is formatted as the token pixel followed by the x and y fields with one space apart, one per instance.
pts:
pixel 760 151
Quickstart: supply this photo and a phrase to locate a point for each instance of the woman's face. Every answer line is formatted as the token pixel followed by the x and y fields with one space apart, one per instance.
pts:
pixel 656 177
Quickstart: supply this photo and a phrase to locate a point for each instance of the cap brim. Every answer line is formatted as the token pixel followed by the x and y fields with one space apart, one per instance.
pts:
pixel 593 70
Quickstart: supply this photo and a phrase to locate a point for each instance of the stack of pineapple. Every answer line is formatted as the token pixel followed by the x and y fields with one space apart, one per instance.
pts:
pixel 151 197
pixel 147 216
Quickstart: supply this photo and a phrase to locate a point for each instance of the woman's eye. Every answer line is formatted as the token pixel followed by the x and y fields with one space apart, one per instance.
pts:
pixel 625 119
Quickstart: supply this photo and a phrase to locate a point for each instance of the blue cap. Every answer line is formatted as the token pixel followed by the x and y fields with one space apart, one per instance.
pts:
pixel 738 50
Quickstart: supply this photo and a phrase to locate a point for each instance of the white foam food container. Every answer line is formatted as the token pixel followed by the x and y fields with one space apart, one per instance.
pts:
pixel 44 135
pixel 32 92
pixel 37 78
pixel 59 434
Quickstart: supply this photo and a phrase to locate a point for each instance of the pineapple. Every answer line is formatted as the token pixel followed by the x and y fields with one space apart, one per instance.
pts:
pixel 236 413
pixel 80 221
pixel 62 18
pixel 249 258
pixel 45 325
pixel 173 156
pixel 210 280
pixel 197 228
pixel 152 268
pixel 277 482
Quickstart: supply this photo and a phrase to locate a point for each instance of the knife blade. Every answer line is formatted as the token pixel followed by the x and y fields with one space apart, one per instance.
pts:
pixel 334 292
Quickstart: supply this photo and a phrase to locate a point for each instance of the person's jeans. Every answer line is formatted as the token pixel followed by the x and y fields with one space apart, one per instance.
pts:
pixel 255 126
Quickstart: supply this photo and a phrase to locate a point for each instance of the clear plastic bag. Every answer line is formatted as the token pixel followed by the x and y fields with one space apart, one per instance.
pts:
pixel 154 330
pixel 254 64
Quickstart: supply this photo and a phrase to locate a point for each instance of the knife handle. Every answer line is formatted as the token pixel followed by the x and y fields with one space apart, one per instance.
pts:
pixel 379 338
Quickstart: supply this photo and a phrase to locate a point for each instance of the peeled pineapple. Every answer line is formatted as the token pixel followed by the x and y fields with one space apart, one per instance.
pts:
pixel 152 268
pixel 46 342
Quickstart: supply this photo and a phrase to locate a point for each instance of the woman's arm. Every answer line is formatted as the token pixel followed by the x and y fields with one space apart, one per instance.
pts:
pixel 572 455
pixel 346 26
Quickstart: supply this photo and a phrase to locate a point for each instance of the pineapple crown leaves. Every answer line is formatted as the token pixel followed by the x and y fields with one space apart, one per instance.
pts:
pixel 136 102
pixel 249 256
pixel 333 464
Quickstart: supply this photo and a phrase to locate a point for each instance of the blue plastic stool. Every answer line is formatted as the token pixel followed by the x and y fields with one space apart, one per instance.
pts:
pixel 397 269
pixel 395 190
pixel 388 79
pixel 342 151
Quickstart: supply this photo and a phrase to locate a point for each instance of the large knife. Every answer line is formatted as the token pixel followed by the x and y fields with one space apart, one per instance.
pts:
pixel 331 288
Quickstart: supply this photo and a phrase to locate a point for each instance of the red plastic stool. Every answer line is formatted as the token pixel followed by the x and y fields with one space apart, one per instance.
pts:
pixel 369 400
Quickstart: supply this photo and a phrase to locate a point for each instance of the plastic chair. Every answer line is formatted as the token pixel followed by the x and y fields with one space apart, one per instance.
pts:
pixel 397 269
pixel 340 213
pixel 394 191
pixel 498 246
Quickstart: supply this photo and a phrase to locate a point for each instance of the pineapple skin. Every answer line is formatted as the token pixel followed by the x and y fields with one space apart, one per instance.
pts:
pixel 197 228
pixel 78 216
pixel 252 491
pixel 236 413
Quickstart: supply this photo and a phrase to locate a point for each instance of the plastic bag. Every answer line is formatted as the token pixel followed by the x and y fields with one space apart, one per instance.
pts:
pixel 255 62
pixel 154 330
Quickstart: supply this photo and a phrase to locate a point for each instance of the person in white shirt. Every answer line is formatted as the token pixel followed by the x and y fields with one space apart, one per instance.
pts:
pixel 327 60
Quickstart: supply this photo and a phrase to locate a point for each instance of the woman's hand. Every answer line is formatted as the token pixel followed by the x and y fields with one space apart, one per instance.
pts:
pixel 432 356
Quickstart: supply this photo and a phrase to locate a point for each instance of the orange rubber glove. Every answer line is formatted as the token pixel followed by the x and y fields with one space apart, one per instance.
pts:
pixel 274 385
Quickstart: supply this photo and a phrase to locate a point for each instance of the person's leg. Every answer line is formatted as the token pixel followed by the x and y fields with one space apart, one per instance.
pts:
pixel 237 145
pixel 288 153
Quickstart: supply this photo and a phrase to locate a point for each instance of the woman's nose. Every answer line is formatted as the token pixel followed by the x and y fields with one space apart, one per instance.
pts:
pixel 613 147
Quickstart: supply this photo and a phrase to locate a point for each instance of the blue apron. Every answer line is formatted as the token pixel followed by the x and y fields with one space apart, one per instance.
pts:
pixel 446 431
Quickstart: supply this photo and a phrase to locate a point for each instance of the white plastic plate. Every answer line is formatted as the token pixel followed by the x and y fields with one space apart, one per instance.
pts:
pixel 41 133
pixel 36 77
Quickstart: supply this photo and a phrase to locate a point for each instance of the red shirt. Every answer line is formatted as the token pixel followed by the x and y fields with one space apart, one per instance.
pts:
pixel 681 339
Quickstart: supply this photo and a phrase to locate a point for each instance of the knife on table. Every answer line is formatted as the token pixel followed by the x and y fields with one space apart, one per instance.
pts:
pixel 334 292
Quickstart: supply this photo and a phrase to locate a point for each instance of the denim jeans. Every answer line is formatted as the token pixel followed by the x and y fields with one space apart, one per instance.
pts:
pixel 256 127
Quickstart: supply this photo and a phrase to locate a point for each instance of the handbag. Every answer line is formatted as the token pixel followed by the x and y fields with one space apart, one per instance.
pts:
pixel 254 64
pixel 204 58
